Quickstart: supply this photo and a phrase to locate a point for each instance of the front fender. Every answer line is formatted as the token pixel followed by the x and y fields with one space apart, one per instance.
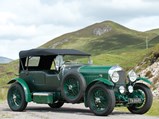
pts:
pixel 103 80
pixel 144 79
pixel 25 87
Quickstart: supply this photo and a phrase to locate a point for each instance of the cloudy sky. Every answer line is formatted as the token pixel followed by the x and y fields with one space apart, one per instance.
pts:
pixel 26 24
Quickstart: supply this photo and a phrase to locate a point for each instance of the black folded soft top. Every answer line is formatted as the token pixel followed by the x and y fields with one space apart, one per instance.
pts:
pixel 46 52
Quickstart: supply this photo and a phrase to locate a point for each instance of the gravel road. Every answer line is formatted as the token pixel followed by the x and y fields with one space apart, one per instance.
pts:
pixel 68 111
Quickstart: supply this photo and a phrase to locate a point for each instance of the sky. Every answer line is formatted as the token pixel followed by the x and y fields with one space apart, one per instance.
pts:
pixel 27 24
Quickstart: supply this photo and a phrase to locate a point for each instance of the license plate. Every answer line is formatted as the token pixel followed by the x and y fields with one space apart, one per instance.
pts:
pixel 134 100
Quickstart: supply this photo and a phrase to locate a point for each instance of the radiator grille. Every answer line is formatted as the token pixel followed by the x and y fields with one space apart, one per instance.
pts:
pixel 122 79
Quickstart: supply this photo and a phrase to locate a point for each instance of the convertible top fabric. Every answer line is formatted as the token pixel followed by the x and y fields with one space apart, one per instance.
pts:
pixel 46 52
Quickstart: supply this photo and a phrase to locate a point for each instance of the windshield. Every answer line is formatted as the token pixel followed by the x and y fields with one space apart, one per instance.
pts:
pixel 67 60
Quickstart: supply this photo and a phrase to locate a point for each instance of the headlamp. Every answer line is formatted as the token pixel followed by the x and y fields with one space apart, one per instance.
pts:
pixel 132 76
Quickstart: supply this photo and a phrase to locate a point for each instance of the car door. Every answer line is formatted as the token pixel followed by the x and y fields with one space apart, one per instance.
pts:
pixel 52 80
pixel 36 80
pixel 33 75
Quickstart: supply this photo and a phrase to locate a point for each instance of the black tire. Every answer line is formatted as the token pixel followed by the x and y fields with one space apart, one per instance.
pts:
pixel 146 105
pixel 72 87
pixel 57 104
pixel 101 100
pixel 16 97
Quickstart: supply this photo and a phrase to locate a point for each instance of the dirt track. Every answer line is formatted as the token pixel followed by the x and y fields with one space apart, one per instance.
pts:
pixel 68 111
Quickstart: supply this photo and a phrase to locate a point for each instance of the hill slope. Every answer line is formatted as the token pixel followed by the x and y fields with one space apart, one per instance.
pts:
pixel 104 36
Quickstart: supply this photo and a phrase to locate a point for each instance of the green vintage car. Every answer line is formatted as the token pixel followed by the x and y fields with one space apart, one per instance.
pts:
pixel 48 76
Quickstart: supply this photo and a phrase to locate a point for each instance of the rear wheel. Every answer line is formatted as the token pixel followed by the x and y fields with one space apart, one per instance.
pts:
pixel 56 104
pixel 101 100
pixel 16 97
pixel 144 93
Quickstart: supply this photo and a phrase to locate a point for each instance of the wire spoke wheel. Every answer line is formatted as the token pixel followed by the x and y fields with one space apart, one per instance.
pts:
pixel 142 92
pixel 16 98
pixel 101 100
pixel 72 87
pixel 98 99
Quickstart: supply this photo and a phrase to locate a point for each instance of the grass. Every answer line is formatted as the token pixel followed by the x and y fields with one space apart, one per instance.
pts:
pixel 1 101
pixel 154 111
pixel 3 94
pixel 7 72
pixel 127 60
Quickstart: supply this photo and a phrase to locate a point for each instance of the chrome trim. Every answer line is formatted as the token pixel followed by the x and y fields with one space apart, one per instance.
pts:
pixel 113 69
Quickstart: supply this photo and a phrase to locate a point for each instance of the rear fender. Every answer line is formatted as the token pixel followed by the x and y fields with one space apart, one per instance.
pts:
pixel 25 87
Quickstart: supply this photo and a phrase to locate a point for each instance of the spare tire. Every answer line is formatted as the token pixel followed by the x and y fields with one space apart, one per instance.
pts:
pixel 73 86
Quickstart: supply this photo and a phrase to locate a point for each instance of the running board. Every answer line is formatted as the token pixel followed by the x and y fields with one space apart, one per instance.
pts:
pixel 43 97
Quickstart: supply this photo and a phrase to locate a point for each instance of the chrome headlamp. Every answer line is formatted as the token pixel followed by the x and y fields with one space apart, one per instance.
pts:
pixel 132 76
pixel 115 77
pixel 130 89
pixel 113 72
pixel 121 89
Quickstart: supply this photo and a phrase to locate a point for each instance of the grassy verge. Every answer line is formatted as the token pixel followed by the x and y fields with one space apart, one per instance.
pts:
pixel 154 111
pixel 3 94
pixel 127 60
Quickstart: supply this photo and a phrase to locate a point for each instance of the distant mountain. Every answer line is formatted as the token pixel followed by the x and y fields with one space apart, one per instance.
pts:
pixel 105 37
pixel 4 60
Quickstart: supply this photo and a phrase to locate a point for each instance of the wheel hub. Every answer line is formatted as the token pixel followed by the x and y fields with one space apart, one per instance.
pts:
pixel 14 97
pixel 70 87
pixel 97 100
pixel 15 100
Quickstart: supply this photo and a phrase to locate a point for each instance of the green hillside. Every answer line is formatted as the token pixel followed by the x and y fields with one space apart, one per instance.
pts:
pixel 103 36
pixel 99 38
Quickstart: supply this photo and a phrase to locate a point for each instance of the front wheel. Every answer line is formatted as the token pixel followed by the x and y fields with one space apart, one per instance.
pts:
pixel 101 100
pixel 16 97
pixel 144 93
